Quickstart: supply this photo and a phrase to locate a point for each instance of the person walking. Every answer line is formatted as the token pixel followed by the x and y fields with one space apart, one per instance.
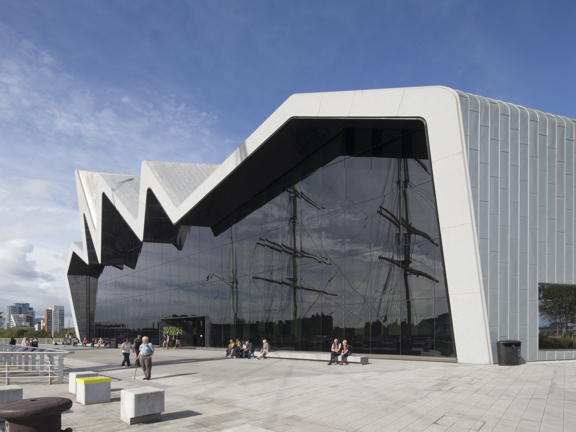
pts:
pixel 34 342
pixel 166 339
pixel 145 356
pixel 125 347
pixel 177 340
pixel 136 348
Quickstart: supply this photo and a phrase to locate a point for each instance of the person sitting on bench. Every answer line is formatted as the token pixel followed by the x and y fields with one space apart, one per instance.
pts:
pixel 335 352
pixel 247 352
pixel 346 351
pixel 265 349
pixel 230 348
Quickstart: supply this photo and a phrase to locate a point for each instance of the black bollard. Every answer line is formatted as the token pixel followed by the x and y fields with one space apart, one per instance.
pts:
pixel 35 415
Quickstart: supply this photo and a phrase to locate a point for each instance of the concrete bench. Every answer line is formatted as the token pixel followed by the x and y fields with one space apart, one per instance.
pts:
pixel 141 404
pixel 10 393
pixel 72 379
pixel 93 390
pixel 317 356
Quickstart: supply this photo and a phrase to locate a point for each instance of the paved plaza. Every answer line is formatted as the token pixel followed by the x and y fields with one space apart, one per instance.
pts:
pixel 207 392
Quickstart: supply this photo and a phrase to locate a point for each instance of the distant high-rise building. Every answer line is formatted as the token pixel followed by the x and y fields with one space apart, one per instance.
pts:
pixel 19 309
pixel 48 319
pixel 58 318
pixel 54 319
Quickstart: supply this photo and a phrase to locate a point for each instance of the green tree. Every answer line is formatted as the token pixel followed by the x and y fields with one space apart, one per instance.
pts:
pixel 557 303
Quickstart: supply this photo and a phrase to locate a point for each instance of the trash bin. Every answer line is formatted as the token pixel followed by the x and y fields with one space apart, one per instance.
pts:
pixel 113 343
pixel 509 352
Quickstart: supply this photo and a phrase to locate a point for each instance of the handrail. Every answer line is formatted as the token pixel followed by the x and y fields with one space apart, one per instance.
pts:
pixel 20 348
pixel 43 361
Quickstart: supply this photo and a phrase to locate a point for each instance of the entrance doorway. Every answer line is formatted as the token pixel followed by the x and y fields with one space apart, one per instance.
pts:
pixel 191 329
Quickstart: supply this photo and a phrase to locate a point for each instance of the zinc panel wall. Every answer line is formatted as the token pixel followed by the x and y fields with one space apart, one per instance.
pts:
pixel 521 165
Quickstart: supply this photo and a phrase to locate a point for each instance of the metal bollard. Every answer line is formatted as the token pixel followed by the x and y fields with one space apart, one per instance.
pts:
pixel 35 415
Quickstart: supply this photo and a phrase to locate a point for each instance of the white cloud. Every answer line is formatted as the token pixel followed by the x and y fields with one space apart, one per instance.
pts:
pixel 51 123
pixel 16 265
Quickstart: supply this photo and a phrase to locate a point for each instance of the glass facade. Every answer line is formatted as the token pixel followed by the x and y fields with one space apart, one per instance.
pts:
pixel 344 245
pixel 557 315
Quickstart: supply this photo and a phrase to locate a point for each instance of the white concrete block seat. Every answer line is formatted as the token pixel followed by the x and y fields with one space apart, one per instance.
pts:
pixel 316 356
pixel 141 404
pixel 72 379
pixel 10 393
pixel 93 390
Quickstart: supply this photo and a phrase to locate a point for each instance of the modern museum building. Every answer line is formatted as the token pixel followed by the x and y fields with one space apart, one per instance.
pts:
pixel 422 222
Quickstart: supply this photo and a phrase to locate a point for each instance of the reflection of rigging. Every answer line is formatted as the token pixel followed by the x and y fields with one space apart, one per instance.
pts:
pixel 233 283
pixel 404 234
pixel 295 254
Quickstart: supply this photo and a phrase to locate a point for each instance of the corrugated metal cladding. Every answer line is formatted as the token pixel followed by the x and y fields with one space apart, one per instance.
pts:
pixel 521 164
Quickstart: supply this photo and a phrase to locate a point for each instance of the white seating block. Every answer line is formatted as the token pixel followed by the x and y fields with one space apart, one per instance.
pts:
pixel 72 379
pixel 93 390
pixel 319 356
pixel 141 404
pixel 10 393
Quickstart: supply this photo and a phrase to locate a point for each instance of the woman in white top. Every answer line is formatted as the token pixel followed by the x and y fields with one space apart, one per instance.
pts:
pixel 26 342
pixel 125 347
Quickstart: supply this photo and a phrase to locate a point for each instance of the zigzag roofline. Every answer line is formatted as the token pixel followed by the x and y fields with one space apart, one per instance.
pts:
pixel 117 207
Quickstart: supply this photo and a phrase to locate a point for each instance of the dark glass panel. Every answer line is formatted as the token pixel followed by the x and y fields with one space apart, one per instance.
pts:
pixel 423 324
pixel 557 314
pixel 444 342
pixel 333 186
pixel 358 187
pixel 357 327
pixel 357 234
pixel 204 235
pixel 311 240
pixel 294 265
pixel 334 233
pixel 310 191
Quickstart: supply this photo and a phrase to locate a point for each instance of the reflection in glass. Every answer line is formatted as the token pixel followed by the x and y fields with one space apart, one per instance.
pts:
pixel 344 245
pixel 557 315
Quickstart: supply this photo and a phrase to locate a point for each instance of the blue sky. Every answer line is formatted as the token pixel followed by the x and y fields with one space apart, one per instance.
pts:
pixel 103 85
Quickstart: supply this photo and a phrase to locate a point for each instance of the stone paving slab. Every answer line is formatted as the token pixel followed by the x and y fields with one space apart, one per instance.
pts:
pixel 207 392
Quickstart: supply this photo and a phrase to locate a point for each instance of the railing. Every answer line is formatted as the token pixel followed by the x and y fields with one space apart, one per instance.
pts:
pixel 41 341
pixel 20 362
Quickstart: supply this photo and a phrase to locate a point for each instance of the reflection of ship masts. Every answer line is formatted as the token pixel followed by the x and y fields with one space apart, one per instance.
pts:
pixel 289 284
pixel 298 194
pixel 295 254
pixel 233 284
pixel 403 186
pixel 294 259
pixel 388 215
pixel 282 248
pixel 408 269
pixel 234 280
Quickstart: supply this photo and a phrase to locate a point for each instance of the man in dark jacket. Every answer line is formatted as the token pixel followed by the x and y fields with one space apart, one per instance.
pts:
pixel 247 351
pixel 136 348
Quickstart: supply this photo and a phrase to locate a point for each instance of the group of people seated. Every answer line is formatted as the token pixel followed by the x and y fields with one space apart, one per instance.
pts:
pixel 340 349
pixel 240 349
pixel 245 349
pixel 28 342
pixel 96 343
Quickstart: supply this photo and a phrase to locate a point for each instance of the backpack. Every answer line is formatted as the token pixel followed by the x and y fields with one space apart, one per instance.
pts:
pixel 350 350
